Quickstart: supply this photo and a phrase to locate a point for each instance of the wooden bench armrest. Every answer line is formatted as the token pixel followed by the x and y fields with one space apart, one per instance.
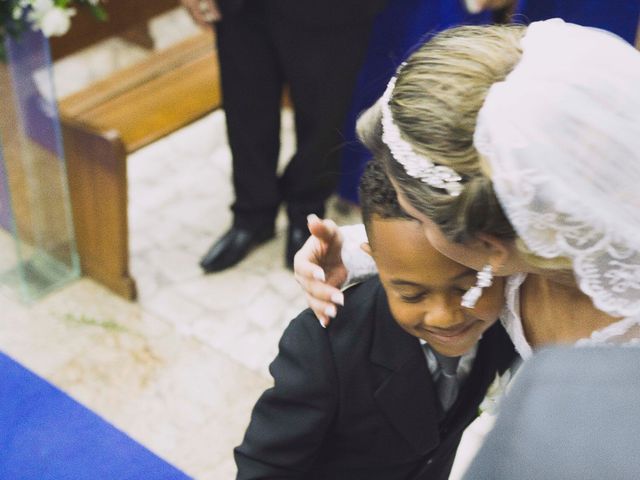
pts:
pixel 156 65
pixel 107 121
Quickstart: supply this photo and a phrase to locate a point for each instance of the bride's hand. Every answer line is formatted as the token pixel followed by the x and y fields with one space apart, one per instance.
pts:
pixel 203 12
pixel 319 269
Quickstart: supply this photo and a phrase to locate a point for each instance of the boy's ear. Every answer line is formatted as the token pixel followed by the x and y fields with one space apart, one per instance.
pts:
pixel 366 248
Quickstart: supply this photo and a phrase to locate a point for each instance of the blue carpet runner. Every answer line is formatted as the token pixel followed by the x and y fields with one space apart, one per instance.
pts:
pixel 46 435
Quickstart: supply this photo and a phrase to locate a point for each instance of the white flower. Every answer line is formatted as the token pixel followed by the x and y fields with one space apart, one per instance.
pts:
pixel 40 7
pixel 56 22
pixel 52 20
pixel 17 12
pixel 495 393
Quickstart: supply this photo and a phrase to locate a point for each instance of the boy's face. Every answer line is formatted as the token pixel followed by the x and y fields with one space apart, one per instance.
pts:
pixel 424 288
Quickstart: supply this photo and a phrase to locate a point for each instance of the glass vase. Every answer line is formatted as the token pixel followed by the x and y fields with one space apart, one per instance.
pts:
pixel 37 245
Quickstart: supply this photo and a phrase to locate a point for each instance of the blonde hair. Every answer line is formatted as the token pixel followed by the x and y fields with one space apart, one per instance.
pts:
pixel 435 104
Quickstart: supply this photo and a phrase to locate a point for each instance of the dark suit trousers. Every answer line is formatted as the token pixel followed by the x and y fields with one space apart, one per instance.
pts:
pixel 259 53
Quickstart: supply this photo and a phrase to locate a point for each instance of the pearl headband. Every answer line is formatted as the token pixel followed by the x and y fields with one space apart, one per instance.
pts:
pixel 416 165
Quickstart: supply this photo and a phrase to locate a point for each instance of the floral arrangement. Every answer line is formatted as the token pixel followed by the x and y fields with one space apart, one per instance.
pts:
pixel 51 17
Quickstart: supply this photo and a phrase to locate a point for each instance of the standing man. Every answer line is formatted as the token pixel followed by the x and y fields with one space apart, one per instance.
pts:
pixel 316 47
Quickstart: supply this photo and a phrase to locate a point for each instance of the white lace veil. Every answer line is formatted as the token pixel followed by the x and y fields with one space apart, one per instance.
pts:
pixel 562 137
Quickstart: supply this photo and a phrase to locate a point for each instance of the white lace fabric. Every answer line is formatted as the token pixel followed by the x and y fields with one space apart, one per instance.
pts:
pixel 562 137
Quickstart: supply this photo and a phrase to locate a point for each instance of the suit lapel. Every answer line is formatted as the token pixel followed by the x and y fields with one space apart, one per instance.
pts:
pixel 406 394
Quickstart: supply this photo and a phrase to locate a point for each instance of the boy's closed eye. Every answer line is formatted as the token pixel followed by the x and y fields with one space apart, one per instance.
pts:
pixel 412 298
pixel 418 297
pixel 415 295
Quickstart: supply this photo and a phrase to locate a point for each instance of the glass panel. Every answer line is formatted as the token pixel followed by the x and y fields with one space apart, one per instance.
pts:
pixel 34 198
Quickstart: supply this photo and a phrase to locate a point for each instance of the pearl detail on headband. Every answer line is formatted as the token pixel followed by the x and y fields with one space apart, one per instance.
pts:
pixel 416 165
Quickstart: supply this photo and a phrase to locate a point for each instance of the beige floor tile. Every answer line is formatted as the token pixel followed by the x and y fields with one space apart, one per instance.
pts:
pixel 225 290
pixel 174 308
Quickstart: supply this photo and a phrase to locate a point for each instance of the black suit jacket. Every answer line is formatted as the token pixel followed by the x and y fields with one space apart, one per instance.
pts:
pixel 357 401
pixel 314 12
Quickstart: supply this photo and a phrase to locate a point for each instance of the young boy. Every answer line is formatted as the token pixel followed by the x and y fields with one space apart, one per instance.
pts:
pixel 363 398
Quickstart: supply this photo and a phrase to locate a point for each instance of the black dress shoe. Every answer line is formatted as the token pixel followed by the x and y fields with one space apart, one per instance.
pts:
pixel 232 247
pixel 296 236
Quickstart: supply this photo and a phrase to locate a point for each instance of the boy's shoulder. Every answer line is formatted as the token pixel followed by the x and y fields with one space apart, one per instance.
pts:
pixel 362 301
pixel 364 328
pixel 363 296
pixel 365 304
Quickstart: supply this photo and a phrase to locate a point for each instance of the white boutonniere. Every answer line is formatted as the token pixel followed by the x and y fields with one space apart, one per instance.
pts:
pixel 494 393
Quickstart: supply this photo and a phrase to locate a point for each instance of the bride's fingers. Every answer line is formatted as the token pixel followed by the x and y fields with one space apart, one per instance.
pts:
pixel 313 253
pixel 305 271
pixel 312 280
pixel 324 292
pixel 323 311
pixel 323 230
pixel 307 261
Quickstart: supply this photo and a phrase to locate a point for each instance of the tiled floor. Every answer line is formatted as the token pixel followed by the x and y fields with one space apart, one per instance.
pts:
pixel 180 369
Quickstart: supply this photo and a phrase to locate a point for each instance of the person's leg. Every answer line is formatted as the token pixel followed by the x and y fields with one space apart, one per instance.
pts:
pixel 321 65
pixel 252 91
pixel 252 88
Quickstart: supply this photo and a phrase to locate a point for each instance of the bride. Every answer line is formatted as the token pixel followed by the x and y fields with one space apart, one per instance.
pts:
pixel 518 149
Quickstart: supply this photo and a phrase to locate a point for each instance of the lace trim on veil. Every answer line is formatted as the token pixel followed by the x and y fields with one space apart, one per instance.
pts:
pixel 561 135
pixel 625 332
pixel 607 269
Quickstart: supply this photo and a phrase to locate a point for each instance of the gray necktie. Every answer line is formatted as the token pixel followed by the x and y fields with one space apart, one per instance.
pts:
pixel 447 382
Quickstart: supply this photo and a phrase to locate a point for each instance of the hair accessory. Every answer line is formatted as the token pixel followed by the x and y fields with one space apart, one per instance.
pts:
pixel 416 165
pixel 484 280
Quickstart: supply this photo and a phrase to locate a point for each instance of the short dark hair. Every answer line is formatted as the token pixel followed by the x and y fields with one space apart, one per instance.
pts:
pixel 377 195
